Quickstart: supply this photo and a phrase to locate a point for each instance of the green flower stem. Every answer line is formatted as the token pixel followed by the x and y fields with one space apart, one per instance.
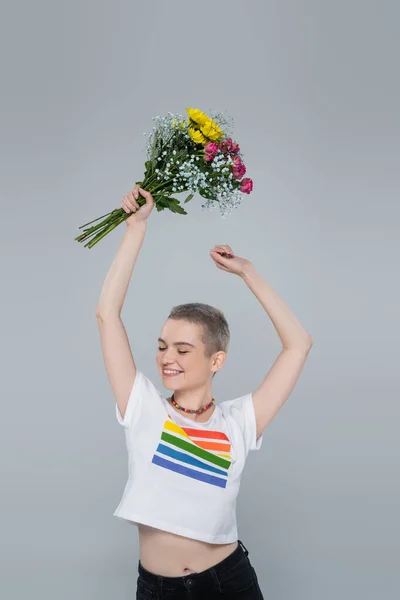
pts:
pixel 114 215
pixel 98 218
pixel 118 215
pixel 110 227
pixel 114 218
pixel 162 184
pixel 101 235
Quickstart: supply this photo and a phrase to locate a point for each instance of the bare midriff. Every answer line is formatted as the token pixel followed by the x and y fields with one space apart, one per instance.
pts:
pixel 170 555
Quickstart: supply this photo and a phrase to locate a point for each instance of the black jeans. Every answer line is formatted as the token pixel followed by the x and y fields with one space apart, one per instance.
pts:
pixel 234 577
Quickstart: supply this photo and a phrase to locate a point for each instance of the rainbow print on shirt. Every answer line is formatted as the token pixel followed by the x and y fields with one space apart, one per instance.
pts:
pixel 197 453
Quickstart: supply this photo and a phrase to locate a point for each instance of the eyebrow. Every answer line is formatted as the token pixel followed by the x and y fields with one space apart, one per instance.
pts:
pixel 176 343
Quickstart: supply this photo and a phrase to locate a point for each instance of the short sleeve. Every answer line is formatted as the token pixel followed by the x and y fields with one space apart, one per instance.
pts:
pixel 144 399
pixel 242 411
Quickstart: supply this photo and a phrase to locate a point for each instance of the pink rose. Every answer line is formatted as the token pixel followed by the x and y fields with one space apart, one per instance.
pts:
pixel 211 148
pixel 238 173
pixel 238 168
pixel 208 157
pixel 229 146
pixel 246 185
pixel 237 162
pixel 226 145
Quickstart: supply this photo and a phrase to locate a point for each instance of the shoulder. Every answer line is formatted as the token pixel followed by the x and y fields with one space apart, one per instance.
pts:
pixel 145 399
pixel 237 406
pixel 240 413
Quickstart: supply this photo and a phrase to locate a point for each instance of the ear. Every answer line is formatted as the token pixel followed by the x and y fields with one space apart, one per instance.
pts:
pixel 220 359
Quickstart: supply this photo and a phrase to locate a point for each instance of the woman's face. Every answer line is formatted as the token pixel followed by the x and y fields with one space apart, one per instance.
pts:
pixel 181 349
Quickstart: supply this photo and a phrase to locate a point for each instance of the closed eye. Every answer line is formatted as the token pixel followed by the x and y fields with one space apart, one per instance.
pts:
pixel 179 351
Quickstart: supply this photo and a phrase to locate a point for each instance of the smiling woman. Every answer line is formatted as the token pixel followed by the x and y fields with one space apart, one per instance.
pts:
pixel 193 342
pixel 186 452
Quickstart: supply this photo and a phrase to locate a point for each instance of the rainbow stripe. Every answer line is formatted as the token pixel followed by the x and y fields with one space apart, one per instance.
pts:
pixel 196 453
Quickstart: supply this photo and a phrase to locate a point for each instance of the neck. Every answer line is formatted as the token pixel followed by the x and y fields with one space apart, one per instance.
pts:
pixel 194 399
pixel 200 417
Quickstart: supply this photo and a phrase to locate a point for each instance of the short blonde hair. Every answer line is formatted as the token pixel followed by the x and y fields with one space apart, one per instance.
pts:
pixel 216 334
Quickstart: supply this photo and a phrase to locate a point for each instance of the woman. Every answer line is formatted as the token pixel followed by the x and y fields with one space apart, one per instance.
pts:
pixel 186 454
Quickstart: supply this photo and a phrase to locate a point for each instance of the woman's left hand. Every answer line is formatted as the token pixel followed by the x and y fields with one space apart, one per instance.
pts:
pixel 224 258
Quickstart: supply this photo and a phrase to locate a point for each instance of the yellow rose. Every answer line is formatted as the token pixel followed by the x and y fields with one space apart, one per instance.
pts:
pixel 197 136
pixel 197 116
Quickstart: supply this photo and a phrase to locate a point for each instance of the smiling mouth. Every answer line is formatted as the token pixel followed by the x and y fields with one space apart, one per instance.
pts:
pixel 172 373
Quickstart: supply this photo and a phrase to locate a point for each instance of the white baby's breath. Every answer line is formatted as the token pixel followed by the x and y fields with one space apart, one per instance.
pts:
pixel 186 173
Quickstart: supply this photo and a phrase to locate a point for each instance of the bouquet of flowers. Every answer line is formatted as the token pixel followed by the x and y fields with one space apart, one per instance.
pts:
pixel 194 156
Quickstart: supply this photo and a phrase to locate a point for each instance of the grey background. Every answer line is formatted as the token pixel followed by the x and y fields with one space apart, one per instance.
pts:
pixel 313 87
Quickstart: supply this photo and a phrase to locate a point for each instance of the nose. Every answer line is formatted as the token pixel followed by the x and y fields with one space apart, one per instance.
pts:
pixel 169 364
pixel 165 361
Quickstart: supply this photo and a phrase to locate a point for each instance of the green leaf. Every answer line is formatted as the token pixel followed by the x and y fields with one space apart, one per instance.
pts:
pixel 176 207
pixel 163 200
pixel 148 165
pixel 206 193
pixel 189 198
pixel 171 203
pixel 181 210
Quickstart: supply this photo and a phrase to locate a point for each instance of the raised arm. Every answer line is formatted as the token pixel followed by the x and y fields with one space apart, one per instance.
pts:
pixel 282 377
pixel 296 341
pixel 117 355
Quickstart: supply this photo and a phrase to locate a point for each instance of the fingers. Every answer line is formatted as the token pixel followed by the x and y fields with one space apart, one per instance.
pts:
pixel 219 263
pixel 136 191
pixel 224 250
pixel 133 198
pixel 146 195
pixel 129 201
pixel 128 205
pixel 125 206
pixel 219 260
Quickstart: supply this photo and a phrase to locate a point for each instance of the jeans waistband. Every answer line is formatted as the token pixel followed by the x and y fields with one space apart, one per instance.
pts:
pixel 196 578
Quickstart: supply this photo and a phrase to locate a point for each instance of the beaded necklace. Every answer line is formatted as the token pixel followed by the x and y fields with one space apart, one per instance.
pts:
pixel 191 410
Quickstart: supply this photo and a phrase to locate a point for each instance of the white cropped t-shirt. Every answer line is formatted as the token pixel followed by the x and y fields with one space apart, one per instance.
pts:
pixel 184 476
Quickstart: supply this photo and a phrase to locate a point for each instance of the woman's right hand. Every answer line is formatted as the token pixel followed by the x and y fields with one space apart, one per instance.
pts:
pixel 130 205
